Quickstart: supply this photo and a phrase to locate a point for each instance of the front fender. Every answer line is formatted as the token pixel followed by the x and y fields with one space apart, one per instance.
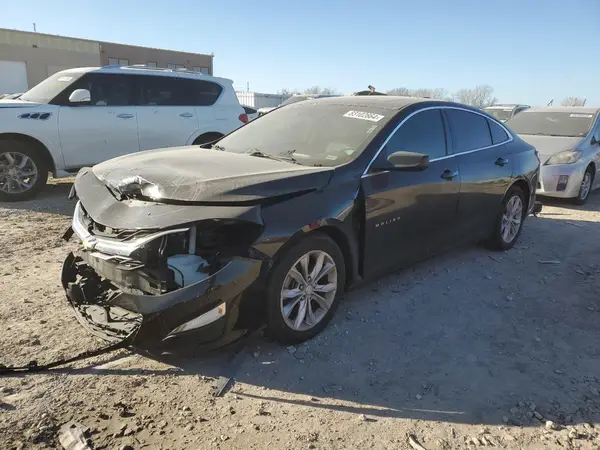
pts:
pixel 333 211
pixel 44 131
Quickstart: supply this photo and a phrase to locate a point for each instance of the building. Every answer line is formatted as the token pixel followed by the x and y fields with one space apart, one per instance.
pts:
pixel 257 100
pixel 27 58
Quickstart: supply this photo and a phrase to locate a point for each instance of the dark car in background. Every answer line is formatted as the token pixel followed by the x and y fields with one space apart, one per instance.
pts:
pixel 197 246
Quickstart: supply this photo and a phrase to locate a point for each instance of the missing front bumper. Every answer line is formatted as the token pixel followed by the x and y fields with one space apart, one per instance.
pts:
pixel 159 321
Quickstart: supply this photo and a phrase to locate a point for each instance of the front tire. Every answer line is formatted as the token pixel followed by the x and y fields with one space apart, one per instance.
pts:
pixel 585 188
pixel 304 289
pixel 510 220
pixel 23 171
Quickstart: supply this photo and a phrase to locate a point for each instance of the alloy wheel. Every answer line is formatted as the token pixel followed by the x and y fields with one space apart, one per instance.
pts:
pixel 308 290
pixel 511 219
pixel 18 172
pixel 586 185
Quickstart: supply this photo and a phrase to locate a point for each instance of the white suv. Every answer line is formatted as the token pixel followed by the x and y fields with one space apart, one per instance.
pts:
pixel 80 117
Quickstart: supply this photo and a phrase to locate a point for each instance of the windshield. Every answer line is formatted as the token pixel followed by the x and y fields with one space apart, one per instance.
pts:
pixel 312 133
pixel 552 123
pixel 500 114
pixel 50 87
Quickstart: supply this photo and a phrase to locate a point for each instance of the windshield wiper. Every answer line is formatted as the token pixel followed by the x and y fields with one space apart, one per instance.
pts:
pixel 258 153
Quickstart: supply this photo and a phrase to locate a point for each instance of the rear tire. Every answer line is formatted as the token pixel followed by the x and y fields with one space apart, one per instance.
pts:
pixel 511 217
pixel 586 187
pixel 302 299
pixel 23 170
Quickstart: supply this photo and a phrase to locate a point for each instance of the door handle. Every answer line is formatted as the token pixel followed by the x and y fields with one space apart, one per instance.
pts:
pixel 501 162
pixel 449 174
pixel 125 116
pixel 186 114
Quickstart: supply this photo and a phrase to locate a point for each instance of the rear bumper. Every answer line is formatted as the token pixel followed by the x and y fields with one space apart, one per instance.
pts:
pixel 561 181
pixel 159 323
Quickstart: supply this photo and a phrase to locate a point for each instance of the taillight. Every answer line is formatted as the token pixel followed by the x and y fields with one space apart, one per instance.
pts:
pixel 243 118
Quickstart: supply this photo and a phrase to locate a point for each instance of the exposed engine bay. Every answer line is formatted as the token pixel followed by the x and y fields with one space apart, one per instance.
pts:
pixel 160 261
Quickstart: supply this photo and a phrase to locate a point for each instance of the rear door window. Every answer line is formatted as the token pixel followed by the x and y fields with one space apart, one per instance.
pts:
pixel 470 131
pixel 422 133
pixel 175 91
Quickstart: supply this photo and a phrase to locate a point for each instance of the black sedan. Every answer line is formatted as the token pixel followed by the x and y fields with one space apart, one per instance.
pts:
pixel 198 246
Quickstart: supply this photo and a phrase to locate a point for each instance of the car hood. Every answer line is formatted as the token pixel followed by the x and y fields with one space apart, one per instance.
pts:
pixel 548 146
pixel 196 175
pixel 17 104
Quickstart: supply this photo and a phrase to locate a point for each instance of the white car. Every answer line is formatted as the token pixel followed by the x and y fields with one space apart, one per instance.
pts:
pixel 252 113
pixel 568 142
pixel 80 117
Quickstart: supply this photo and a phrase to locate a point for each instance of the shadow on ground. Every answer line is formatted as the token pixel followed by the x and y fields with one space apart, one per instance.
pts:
pixel 52 199
pixel 467 337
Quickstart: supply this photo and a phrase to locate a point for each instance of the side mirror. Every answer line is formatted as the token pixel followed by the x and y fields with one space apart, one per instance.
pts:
pixel 595 141
pixel 406 161
pixel 79 96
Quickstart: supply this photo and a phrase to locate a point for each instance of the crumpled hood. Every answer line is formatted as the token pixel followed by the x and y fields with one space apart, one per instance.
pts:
pixel 193 174
pixel 550 145
pixel 17 104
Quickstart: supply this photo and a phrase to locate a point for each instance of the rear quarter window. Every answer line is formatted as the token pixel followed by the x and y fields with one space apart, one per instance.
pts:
pixel 470 131
pixel 498 133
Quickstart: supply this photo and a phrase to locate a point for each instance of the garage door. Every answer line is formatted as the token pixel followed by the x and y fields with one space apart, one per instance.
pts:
pixel 13 77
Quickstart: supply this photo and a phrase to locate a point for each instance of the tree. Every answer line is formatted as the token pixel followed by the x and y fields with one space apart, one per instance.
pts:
pixel 402 91
pixel 573 101
pixel 480 96
pixel 285 92
pixel 316 90
pixel 438 93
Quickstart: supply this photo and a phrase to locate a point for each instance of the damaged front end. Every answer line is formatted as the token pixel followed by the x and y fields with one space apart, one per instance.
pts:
pixel 177 287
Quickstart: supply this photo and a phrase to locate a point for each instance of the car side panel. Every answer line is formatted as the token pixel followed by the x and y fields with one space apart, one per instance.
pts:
pixel 593 153
pixel 483 185
pixel 526 167
pixel 337 206
pixel 45 131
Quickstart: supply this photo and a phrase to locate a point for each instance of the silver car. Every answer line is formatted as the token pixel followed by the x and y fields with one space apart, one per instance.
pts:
pixel 504 112
pixel 568 142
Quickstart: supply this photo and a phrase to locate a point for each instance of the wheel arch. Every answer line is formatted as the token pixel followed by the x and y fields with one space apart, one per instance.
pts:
pixel 45 152
pixel 335 230
pixel 592 164
pixel 525 187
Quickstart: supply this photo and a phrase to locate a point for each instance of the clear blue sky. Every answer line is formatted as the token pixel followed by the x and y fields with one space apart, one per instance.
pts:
pixel 529 51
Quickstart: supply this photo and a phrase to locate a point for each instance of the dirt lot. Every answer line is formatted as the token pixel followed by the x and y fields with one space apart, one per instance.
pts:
pixel 469 349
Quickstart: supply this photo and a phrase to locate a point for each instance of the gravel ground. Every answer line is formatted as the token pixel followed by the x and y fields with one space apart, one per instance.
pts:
pixel 468 349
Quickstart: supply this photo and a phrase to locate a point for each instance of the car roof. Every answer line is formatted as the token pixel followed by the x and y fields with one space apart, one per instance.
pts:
pixel 565 109
pixel 379 101
pixel 145 70
pixel 505 105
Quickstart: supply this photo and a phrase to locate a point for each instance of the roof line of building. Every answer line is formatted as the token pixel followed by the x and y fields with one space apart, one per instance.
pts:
pixel 212 55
